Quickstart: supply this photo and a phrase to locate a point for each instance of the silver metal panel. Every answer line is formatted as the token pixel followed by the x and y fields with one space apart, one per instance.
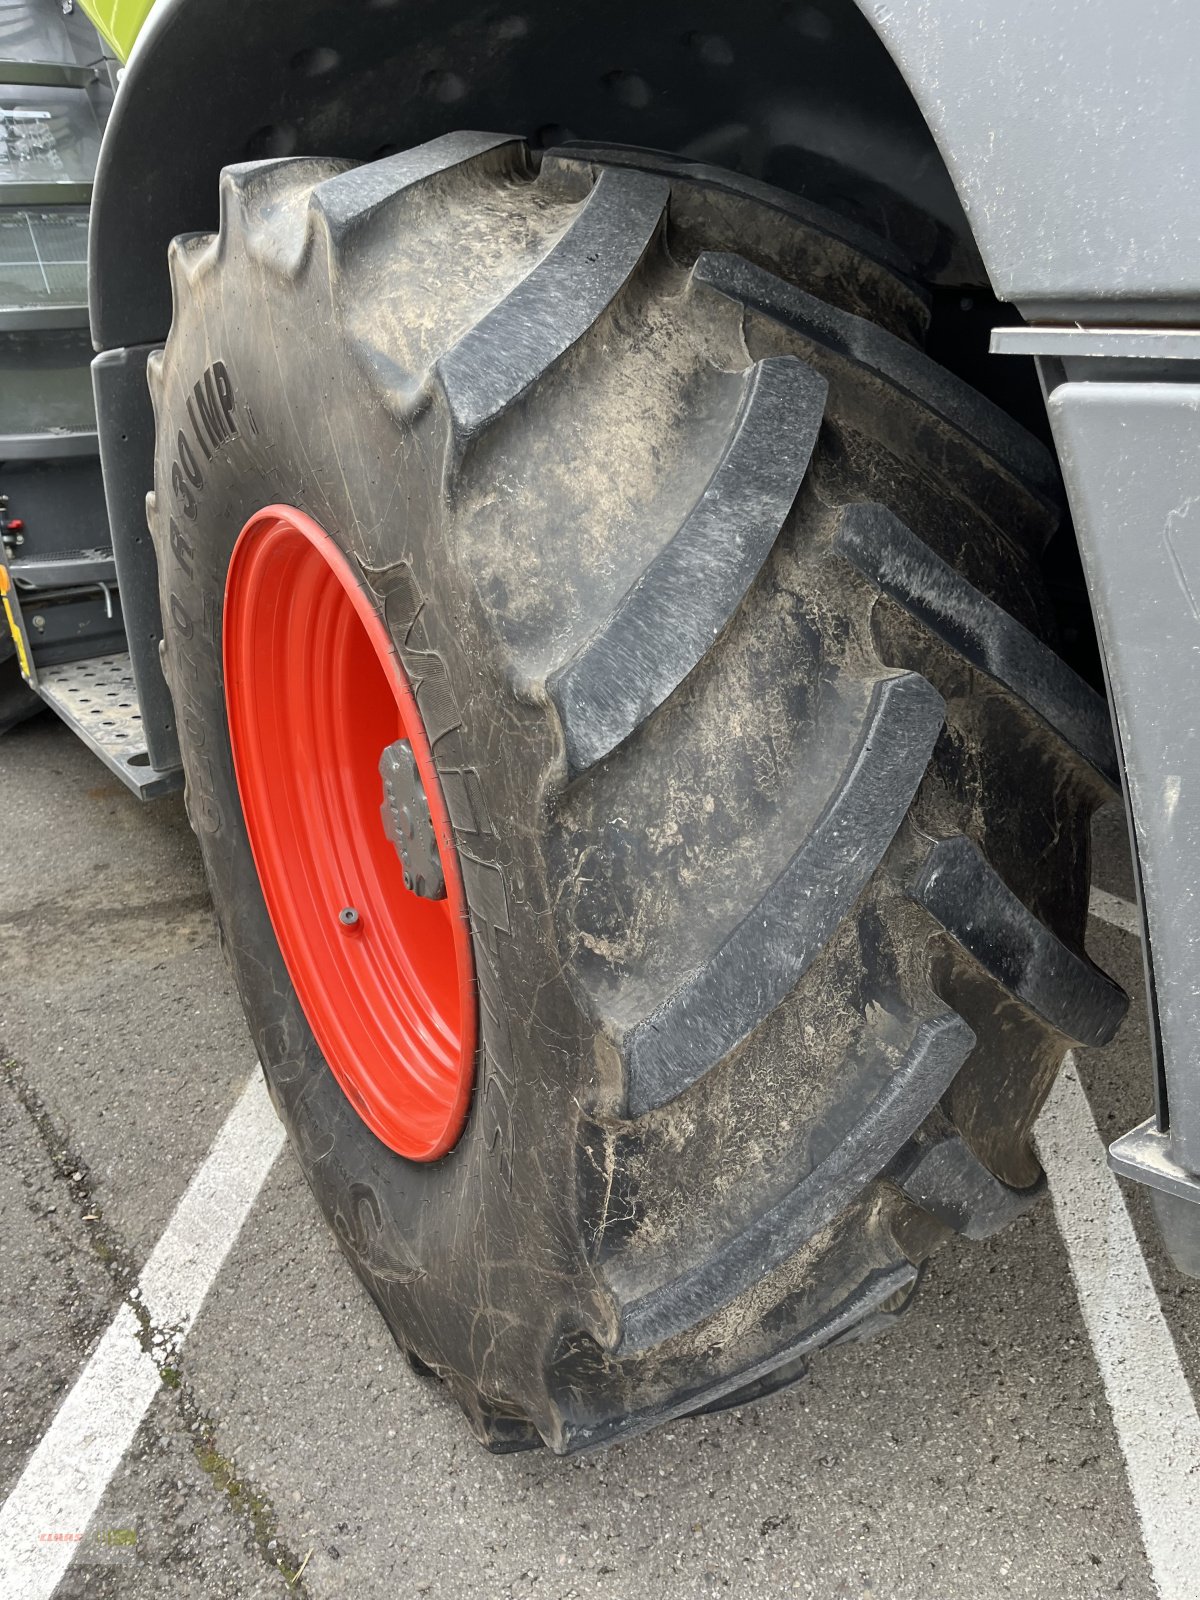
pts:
pixel 98 701
pixel 1070 131
pixel 1130 454
pixel 49 137
pixel 1125 344
pixel 48 446
pixel 1144 1154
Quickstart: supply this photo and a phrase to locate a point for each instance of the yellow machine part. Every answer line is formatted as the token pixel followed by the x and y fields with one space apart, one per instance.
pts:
pixel 118 22
pixel 13 628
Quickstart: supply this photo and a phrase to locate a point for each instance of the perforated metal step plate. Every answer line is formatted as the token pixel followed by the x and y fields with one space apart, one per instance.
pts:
pixel 97 699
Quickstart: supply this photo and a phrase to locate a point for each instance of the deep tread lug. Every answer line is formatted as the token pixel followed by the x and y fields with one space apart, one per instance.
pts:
pixel 549 311
pixel 900 364
pixel 183 254
pixel 670 617
pixel 154 374
pixel 865 241
pixel 891 557
pixel 893 291
pixel 717 1006
pixel 349 200
pixel 265 204
pixel 944 1177
pixel 876 1289
pixel 246 183
pixel 938 1049
pixel 784 1376
pixel 1014 947
pixel 884 1316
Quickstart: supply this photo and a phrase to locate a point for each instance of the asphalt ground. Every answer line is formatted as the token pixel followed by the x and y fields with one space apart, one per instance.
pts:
pixel 971 1451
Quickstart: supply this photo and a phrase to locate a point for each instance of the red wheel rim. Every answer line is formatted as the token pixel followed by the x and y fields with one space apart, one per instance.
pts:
pixel 315 693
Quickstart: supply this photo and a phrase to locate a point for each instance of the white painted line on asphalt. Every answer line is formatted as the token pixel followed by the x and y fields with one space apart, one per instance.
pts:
pixel 46 1516
pixel 1117 912
pixel 1152 1406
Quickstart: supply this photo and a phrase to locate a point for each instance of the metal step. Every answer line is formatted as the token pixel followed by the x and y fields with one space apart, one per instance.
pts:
pixel 97 700
pixel 22 319
pixel 47 408
pixel 49 145
pixel 49 74
pixel 43 267
pixel 65 569
pixel 48 446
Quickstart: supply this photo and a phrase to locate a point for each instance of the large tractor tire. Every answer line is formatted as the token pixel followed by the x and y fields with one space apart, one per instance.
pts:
pixel 648 821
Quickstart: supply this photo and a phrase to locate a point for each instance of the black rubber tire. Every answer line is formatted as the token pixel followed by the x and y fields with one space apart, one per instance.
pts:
pixel 17 700
pixel 722 607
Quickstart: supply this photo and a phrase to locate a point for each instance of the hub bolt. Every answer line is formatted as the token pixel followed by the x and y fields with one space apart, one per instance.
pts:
pixel 348 917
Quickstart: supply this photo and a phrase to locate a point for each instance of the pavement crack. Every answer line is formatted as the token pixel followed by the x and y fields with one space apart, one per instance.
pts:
pixel 54 915
pixel 251 1505
pixel 73 1173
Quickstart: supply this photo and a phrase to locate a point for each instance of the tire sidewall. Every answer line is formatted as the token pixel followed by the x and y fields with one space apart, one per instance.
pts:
pixel 398 1221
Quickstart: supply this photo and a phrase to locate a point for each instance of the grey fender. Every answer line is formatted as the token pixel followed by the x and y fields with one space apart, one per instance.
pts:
pixel 1070 130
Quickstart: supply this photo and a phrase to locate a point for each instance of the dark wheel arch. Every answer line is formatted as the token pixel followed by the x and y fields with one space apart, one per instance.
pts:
pixel 803 95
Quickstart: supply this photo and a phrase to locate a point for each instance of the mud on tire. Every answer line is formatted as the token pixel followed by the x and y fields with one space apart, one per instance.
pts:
pixel 722 608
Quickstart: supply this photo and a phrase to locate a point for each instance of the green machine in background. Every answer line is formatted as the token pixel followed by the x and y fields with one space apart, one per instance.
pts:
pixel 118 22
